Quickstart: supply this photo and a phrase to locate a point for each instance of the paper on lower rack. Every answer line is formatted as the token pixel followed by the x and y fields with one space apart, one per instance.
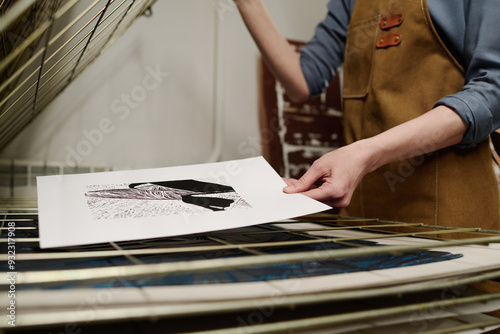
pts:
pixel 130 205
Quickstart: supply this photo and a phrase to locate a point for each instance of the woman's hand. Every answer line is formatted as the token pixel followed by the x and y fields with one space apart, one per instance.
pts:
pixel 340 171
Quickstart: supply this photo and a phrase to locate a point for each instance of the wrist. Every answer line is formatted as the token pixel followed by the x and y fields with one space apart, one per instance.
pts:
pixel 368 154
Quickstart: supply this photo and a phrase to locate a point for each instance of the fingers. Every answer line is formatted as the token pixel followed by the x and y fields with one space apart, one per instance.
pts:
pixel 289 182
pixel 306 182
pixel 325 195
pixel 338 174
pixel 336 194
pixel 319 194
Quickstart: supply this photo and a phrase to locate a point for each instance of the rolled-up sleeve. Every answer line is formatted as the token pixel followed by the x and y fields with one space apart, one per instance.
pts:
pixel 478 102
pixel 324 53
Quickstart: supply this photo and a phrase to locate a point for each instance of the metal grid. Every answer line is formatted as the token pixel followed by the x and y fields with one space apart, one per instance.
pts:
pixel 45 45
pixel 134 265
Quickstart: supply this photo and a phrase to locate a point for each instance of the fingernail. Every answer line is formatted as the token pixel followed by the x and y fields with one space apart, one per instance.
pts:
pixel 288 189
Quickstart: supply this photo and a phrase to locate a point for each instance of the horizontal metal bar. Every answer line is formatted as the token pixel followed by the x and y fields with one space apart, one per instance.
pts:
pixel 249 250
pixel 17 227
pixel 14 91
pixel 153 311
pixel 86 36
pixel 348 227
pixel 109 24
pixel 14 13
pixel 61 82
pixel 342 219
pixel 18 122
pixel 105 31
pixel 112 12
pixel 64 57
pixel 17 204
pixel 89 58
pixel 18 73
pixel 416 234
pixel 14 116
pixel 17 220
pixel 42 62
pixel 151 251
pixel 74 56
pixel 20 240
pixel 68 26
pixel 92 32
pixel 64 65
pixel 130 19
pixel 345 318
pixel 124 14
pixel 182 267
pixel 71 38
pixel 227 246
pixel 16 52
pixel 461 328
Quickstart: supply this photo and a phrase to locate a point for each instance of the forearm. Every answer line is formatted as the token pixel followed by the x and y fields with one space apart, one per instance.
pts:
pixel 342 170
pixel 436 129
pixel 277 53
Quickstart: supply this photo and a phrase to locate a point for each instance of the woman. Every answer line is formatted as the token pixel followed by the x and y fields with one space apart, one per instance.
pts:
pixel 420 97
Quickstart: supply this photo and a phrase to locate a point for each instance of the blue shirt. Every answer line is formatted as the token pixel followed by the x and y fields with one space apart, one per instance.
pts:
pixel 469 28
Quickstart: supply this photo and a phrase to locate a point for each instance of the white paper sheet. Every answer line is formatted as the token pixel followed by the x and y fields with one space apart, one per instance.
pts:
pixel 130 205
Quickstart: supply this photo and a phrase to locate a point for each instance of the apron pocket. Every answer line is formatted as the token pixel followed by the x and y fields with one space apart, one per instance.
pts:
pixel 360 46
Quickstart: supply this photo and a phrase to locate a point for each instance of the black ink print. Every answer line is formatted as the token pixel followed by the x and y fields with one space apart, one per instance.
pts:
pixel 126 199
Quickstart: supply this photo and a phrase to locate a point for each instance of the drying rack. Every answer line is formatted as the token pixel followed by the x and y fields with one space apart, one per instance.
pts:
pixel 297 312
pixel 45 45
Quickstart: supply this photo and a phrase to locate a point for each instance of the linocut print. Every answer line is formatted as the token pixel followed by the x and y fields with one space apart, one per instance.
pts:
pixel 161 198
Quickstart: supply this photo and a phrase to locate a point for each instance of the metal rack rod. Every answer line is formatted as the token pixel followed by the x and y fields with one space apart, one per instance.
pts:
pixel 257 253
pixel 49 71
pixel 333 320
pixel 153 311
pixel 211 265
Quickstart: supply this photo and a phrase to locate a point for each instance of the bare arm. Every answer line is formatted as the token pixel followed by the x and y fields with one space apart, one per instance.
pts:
pixel 342 169
pixel 278 55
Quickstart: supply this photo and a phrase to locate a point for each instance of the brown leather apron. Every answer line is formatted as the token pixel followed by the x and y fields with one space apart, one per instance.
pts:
pixel 396 67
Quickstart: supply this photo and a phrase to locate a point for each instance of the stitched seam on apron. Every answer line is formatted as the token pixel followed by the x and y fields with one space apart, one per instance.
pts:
pixel 346 93
pixel 439 42
pixel 368 90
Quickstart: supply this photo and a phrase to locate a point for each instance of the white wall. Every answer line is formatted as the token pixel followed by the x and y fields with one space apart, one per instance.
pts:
pixel 296 19
pixel 91 122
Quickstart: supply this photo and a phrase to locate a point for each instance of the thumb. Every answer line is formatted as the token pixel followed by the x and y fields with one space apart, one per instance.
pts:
pixel 304 183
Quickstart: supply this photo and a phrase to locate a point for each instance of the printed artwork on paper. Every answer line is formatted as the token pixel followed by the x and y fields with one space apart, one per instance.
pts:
pixel 161 198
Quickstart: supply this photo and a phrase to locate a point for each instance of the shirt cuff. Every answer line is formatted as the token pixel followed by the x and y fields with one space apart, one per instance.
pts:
pixel 474 113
